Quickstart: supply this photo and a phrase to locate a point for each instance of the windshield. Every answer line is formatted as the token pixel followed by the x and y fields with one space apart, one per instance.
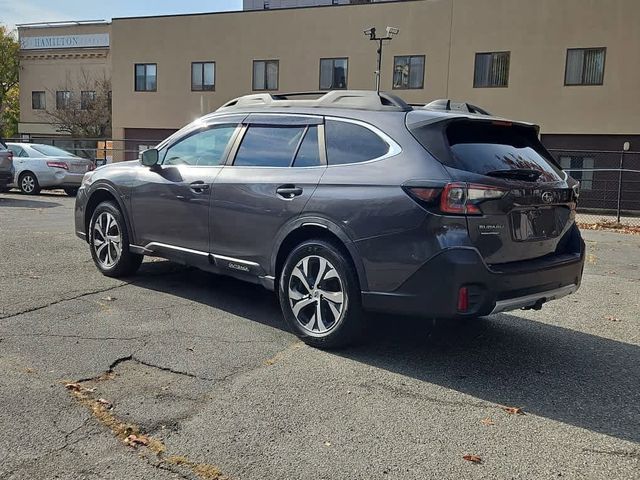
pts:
pixel 50 151
pixel 484 148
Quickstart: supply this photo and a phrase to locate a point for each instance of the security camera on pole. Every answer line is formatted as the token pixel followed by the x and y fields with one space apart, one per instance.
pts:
pixel 371 33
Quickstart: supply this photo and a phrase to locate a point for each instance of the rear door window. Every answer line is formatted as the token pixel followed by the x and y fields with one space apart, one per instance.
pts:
pixel 269 146
pixel 352 143
pixel 485 147
pixel 309 154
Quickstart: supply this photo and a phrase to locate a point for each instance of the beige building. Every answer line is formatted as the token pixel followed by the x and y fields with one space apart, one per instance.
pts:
pixel 569 65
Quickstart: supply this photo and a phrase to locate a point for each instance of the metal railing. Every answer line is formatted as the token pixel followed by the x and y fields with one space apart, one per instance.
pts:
pixel 609 184
pixel 610 180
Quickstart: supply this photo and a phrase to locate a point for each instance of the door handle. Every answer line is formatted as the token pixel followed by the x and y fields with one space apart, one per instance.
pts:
pixel 289 191
pixel 199 186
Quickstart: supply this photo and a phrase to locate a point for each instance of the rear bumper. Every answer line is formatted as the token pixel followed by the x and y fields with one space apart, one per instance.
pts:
pixel 433 290
pixel 6 178
pixel 62 179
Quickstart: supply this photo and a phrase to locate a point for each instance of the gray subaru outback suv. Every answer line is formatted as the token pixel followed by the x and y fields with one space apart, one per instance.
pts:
pixel 349 202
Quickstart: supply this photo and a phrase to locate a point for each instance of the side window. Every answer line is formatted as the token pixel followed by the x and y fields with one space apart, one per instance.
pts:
pixel 18 151
pixel 269 146
pixel 351 143
pixel 204 148
pixel 308 154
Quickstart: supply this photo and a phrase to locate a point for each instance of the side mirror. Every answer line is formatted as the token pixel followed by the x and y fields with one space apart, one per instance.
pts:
pixel 150 157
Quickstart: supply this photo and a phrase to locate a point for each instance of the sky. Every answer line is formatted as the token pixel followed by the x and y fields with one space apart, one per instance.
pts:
pixel 13 12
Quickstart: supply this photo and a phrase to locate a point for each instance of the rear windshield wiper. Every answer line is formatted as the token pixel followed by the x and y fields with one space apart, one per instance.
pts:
pixel 527 174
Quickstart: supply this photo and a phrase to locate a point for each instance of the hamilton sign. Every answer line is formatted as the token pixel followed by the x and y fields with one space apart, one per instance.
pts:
pixel 65 41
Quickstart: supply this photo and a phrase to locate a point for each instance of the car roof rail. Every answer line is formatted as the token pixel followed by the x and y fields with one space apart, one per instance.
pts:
pixel 357 99
pixel 447 105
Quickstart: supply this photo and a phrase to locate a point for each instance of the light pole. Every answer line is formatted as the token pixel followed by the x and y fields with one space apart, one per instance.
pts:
pixel 371 33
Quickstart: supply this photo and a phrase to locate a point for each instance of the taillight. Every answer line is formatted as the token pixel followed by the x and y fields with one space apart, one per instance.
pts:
pixel 92 166
pixel 464 198
pixel 10 155
pixel 455 198
pixel 62 165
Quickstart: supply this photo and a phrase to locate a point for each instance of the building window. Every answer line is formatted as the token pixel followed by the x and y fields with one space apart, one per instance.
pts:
pixel 38 100
pixel 265 74
pixel 408 72
pixel 265 5
pixel 585 66
pixel 580 168
pixel 86 99
pixel 203 76
pixel 491 70
pixel 146 77
pixel 63 100
pixel 333 73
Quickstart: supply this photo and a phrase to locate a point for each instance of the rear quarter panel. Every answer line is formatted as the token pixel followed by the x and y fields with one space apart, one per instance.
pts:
pixel 391 233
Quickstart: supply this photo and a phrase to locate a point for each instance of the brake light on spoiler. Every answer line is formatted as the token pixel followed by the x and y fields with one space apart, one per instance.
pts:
pixel 456 198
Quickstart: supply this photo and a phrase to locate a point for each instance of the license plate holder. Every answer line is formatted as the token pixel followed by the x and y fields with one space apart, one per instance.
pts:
pixel 77 168
pixel 535 224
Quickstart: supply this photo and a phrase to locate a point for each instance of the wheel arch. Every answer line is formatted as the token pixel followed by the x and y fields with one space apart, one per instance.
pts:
pixel 321 229
pixel 99 194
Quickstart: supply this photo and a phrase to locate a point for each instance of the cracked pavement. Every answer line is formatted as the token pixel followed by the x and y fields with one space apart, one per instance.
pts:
pixel 205 365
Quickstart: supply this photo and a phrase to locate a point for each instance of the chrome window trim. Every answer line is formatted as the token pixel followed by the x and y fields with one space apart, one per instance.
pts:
pixel 394 148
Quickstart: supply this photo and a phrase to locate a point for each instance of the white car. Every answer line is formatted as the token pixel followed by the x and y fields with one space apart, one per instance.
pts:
pixel 38 166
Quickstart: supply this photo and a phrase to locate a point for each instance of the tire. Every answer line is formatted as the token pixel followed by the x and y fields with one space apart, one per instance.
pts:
pixel 71 191
pixel 341 323
pixel 111 260
pixel 28 184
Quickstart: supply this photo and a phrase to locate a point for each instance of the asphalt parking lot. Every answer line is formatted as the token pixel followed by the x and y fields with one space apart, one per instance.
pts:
pixel 203 372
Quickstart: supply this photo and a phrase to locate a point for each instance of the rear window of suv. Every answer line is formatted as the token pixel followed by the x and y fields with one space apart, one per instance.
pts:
pixel 483 147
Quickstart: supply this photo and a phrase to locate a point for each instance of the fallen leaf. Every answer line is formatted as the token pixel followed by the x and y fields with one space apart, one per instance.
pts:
pixel 109 299
pixel 76 387
pixel 135 440
pixel 513 410
pixel 611 318
pixel 327 444
pixel 106 403
pixel 30 370
pixel 487 421
pixel 472 458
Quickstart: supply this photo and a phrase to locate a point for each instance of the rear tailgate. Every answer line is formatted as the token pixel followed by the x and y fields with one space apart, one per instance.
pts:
pixel 537 209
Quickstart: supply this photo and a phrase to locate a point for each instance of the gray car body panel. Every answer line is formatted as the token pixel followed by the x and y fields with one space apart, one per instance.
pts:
pixel 6 166
pixel 239 226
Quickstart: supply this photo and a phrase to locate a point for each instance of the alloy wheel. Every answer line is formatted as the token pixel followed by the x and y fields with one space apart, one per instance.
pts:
pixel 316 295
pixel 28 184
pixel 107 240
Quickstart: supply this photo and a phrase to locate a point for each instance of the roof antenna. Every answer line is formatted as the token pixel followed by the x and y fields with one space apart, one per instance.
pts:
pixel 371 33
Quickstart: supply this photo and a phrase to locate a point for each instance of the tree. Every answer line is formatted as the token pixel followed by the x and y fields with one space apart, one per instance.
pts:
pixel 9 67
pixel 82 107
pixel 11 114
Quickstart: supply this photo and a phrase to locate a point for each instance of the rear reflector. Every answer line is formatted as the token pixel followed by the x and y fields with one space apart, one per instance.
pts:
pixel 463 299
pixel 62 165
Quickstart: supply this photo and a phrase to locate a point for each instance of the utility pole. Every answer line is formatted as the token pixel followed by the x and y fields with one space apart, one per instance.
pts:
pixel 371 33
